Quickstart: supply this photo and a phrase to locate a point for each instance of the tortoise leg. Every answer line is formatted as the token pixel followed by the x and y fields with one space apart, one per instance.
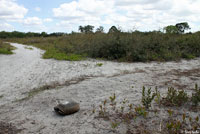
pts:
pixel 58 111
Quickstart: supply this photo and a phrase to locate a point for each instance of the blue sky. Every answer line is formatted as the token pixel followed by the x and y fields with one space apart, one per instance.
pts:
pixel 67 15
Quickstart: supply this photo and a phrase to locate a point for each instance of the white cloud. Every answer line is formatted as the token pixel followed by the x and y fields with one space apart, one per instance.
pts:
pixel 6 27
pixel 32 21
pixel 10 10
pixel 47 20
pixel 143 14
pixel 37 9
pixel 134 2
pixel 36 24
pixel 83 12
pixel 84 8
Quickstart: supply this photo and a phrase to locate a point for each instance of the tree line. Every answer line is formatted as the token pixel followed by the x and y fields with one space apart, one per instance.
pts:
pixel 179 28
pixel 17 34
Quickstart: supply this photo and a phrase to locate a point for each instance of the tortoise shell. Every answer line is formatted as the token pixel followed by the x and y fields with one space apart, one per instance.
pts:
pixel 67 108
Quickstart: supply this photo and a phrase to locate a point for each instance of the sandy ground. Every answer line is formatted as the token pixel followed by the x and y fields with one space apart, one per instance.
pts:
pixel 82 81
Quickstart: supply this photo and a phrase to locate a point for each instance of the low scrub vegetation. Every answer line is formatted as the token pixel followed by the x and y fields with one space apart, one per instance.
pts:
pixel 157 119
pixel 6 48
pixel 175 97
pixel 99 64
pixel 132 47
pixel 147 97
pixel 30 48
pixel 1 96
pixel 196 96
pixel 53 53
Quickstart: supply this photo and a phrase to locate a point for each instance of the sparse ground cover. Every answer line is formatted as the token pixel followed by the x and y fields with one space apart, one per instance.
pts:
pixel 30 48
pixel 8 128
pixel 174 113
pixel 6 48
pixel 32 86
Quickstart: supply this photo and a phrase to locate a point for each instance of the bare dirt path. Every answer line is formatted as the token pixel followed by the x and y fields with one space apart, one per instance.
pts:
pixel 82 81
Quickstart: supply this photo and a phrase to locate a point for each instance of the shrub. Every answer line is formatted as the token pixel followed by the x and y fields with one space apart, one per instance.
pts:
pixel 147 97
pixel 141 111
pixel 6 48
pixel 175 97
pixel 196 96
pixel 99 64
pixel 134 47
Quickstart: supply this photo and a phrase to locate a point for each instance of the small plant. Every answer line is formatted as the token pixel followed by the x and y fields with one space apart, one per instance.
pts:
pixel 196 96
pixel 173 126
pixel 6 48
pixel 114 124
pixel 99 64
pixel 170 112
pixel 112 100
pixel 157 96
pixel 124 112
pixel 30 48
pixel 101 111
pixel 141 111
pixel 183 117
pixel 147 97
pixel 103 107
pixel 1 96
pixel 175 98
pixel 123 105
pixel 194 123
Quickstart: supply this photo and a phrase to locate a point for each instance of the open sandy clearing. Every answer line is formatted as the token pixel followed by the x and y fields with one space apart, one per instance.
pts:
pixel 82 81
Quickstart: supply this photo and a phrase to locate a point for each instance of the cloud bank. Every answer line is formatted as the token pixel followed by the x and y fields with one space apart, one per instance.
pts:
pixel 144 15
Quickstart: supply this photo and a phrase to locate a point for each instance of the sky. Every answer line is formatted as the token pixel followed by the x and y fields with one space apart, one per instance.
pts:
pixel 67 15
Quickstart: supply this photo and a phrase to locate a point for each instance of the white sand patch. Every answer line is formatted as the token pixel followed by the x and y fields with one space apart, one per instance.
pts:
pixel 25 70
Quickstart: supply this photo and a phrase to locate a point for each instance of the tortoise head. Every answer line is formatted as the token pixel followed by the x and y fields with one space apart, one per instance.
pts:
pixel 59 109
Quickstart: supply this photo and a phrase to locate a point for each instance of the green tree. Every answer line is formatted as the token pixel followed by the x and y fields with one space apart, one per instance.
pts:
pixel 86 29
pixel 113 29
pixel 100 29
pixel 182 27
pixel 89 29
pixel 81 29
pixel 171 29
pixel 44 34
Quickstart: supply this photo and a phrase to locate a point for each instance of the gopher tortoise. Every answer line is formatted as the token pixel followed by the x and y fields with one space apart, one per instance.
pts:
pixel 67 108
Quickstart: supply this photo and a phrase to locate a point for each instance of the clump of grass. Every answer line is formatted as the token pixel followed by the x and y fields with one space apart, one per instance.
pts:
pixel 158 97
pixel 175 126
pixel 30 48
pixel 147 97
pixel 6 48
pixel 141 111
pixel 124 112
pixel 99 64
pixel 175 97
pixel 53 53
pixel 118 113
pixel 5 51
pixel 196 96
pixel 1 96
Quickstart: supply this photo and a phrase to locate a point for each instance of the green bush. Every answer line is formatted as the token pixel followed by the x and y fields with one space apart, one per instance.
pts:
pixel 196 96
pixel 175 97
pixel 122 46
pixel 147 97
pixel 6 48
